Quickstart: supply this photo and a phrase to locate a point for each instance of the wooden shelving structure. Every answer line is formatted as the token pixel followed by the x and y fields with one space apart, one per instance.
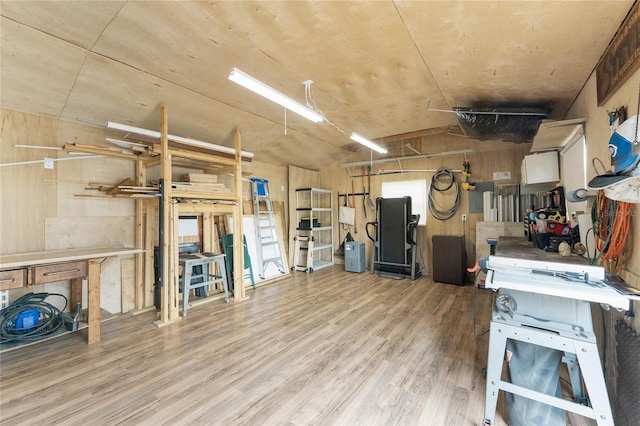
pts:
pixel 168 200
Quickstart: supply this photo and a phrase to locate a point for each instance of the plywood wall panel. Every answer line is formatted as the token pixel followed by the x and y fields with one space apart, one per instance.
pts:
pixel 75 176
pixel 91 231
pixel 27 196
pixel 95 231
pixel 277 177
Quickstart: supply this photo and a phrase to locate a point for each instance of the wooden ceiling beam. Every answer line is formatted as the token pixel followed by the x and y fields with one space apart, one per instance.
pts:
pixel 413 135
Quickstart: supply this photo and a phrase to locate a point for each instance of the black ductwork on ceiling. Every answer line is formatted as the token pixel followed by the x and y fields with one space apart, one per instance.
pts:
pixel 512 124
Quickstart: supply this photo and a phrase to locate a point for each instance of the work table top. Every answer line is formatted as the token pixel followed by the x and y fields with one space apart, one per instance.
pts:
pixel 521 248
pixel 52 256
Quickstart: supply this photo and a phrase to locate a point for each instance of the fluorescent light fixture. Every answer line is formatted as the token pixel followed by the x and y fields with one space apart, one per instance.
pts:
pixel 262 89
pixel 366 142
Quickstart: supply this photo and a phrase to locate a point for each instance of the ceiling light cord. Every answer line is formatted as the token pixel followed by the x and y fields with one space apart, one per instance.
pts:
pixel 311 103
pixel 308 111
pixel 309 97
pixel 258 87
pixel 335 126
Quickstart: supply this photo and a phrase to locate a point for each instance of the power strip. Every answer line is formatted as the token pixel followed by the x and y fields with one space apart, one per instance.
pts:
pixel 4 299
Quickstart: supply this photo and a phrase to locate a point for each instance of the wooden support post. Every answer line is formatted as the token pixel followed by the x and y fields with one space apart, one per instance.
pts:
pixel 207 233
pixel 165 165
pixel 93 304
pixel 139 240
pixel 149 242
pixel 238 254
pixel 174 272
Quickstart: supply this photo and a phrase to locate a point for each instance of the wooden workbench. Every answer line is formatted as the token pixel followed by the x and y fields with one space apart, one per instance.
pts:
pixel 27 269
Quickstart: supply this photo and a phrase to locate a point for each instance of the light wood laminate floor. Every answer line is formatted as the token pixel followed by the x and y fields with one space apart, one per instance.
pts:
pixel 328 348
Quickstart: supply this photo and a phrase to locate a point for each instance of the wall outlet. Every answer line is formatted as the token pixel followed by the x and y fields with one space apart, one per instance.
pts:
pixel 48 163
pixel 464 217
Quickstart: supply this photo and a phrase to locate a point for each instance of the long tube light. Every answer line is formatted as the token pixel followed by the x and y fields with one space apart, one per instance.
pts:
pixel 262 89
pixel 366 142
pixel 180 139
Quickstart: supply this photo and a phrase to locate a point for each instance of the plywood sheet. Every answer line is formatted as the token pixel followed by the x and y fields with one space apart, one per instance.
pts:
pixel 26 198
pixel 529 47
pixel 38 71
pixel 79 22
pixel 80 232
pixel 127 280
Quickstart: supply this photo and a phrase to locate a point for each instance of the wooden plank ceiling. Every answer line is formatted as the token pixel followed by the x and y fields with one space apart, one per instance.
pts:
pixel 379 68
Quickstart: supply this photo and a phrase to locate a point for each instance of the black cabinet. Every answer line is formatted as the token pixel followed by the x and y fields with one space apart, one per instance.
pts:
pixel 449 259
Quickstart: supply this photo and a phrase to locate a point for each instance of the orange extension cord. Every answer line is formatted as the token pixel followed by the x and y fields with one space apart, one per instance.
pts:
pixel 612 232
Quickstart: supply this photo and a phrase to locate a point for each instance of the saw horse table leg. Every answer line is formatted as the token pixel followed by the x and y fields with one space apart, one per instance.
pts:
pixel 497 346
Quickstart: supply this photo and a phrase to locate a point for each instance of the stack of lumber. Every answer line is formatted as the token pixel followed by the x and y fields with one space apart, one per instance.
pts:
pixel 126 188
pixel 200 178
pixel 201 182
pixel 196 184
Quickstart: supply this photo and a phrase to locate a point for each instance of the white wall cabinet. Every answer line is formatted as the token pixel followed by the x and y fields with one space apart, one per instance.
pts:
pixel 540 168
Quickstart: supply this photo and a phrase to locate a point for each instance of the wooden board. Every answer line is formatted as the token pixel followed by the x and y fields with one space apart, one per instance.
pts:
pixel 43 257
pixel 127 283
pixel 485 230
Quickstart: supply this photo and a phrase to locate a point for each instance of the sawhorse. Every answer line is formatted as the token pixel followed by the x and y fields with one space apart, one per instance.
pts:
pixel 580 353
pixel 207 277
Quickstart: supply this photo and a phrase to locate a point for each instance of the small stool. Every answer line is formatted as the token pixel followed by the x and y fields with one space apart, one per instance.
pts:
pixel 201 279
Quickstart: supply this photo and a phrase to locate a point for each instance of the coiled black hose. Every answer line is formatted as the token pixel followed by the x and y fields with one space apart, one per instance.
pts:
pixel 51 319
pixel 442 181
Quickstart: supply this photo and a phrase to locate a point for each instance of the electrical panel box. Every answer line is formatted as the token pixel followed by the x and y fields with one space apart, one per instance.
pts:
pixel 354 257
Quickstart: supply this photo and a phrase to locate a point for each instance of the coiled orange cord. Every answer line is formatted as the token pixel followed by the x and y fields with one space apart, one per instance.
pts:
pixel 612 232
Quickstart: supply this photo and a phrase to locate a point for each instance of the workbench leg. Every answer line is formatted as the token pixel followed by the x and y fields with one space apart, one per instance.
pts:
pixel 186 284
pixel 223 273
pixel 589 362
pixel 75 296
pixel 497 346
pixel 574 375
pixel 93 308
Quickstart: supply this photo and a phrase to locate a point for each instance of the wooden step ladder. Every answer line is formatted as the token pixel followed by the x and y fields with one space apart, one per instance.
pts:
pixel 267 243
